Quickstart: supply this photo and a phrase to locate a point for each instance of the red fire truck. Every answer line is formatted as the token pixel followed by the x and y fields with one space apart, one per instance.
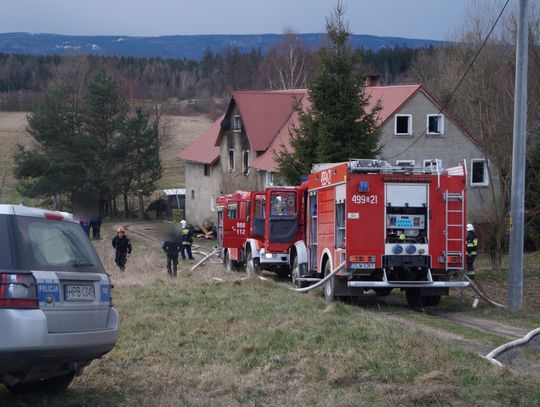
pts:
pixel 390 227
pixel 261 230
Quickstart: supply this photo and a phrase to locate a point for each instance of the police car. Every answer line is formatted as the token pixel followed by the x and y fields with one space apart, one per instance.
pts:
pixel 56 314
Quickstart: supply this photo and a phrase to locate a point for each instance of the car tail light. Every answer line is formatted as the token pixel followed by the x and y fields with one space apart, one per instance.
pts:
pixel 18 290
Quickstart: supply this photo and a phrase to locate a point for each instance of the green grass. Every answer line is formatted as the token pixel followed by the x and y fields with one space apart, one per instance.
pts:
pixel 253 342
pixel 209 338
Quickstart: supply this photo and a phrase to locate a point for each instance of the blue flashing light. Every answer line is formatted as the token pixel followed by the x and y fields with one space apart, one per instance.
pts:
pixel 398 249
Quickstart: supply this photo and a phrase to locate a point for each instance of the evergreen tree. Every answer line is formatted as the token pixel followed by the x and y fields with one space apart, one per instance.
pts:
pixel 137 154
pixel 336 127
pixel 56 165
pixel 104 117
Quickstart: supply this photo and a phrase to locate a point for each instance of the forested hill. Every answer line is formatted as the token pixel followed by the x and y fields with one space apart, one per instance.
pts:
pixel 178 46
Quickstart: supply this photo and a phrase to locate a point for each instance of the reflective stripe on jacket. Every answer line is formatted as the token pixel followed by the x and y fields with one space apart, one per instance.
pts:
pixel 187 238
pixel 472 243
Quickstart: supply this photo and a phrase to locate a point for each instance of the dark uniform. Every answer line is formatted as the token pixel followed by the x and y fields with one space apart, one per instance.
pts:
pixel 186 237
pixel 171 248
pixel 95 223
pixel 123 247
pixel 472 243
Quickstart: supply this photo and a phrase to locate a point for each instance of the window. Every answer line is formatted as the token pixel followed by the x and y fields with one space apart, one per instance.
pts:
pixel 432 164
pixel 231 160
pixel 212 202
pixel 479 175
pixel 57 245
pixel 245 162
pixel 403 125
pixel 192 194
pixel 237 124
pixel 435 124
pixel 283 203
pixel 5 244
pixel 231 211
pixel 269 181
pixel 340 224
pixel 206 170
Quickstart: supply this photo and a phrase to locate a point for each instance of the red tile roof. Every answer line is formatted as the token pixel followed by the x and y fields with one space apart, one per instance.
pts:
pixel 266 161
pixel 264 114
pixel 203 149
pixel 268 115
pixel 391 97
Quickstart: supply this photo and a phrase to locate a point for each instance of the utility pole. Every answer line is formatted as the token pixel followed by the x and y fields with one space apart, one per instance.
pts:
pixel 515 275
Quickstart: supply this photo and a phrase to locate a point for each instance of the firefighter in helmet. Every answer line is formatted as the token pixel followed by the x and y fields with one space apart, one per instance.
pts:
pixel 186 240
pixel 472 242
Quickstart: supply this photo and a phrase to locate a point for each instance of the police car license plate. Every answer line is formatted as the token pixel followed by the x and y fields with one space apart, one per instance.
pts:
pixel 74 292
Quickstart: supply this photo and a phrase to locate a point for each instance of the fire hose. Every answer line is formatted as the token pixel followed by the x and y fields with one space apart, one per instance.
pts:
pixel 321 282
pixel 482 293
pixel 521 341
pixel 204 259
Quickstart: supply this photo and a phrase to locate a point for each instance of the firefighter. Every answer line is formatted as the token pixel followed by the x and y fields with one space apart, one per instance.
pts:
pixel 186 237
pixel 123 248
pixel 472 242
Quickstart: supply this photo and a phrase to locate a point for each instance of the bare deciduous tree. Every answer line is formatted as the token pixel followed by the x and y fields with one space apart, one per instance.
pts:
pixel 288 65
pixel 484 102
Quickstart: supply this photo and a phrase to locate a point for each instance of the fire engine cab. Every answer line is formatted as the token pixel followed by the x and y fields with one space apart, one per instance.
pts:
pixel 261 230
pixel 390 227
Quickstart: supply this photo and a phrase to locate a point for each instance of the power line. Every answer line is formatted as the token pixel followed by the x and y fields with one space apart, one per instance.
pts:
pixel 445 104
pixel 37 182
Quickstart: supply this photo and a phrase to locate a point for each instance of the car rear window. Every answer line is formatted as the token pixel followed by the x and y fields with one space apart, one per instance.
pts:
pixel 55 245
pixel 6 259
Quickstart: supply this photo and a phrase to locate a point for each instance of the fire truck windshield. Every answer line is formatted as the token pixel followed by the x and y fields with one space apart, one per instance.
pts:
pixel 283 203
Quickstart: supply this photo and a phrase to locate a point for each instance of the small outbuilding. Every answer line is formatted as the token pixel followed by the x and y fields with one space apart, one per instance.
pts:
pixel 176 199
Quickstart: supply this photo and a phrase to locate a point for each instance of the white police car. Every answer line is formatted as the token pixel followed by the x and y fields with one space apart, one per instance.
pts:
pixel 56 314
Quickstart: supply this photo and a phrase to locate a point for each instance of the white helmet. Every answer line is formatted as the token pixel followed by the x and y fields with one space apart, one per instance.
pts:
pixel 183 223
pixel 470 227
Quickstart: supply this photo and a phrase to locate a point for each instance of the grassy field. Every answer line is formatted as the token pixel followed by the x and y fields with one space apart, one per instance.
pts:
pixel 179 132
pixel 209 338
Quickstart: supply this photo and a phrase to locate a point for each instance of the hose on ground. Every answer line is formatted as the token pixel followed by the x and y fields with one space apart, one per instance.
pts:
pixel 482 293
pixel 521 341
pixel 321 282
pixel 204 259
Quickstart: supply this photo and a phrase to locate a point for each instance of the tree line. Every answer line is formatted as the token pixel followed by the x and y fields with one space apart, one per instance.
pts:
pixel 24 78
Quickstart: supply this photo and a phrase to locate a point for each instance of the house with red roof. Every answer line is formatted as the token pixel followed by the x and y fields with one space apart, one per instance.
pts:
pixel 238 151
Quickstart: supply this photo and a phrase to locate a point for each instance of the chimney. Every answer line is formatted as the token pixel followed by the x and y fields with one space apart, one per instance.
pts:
pixel 372 80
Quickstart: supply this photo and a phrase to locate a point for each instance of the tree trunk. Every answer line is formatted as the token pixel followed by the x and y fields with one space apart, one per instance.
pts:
pixel 126 205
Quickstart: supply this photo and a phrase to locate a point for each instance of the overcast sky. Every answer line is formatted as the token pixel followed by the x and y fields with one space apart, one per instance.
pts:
pixel 428 19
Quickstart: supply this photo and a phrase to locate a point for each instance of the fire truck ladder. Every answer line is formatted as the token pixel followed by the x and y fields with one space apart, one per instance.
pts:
pixel 453 253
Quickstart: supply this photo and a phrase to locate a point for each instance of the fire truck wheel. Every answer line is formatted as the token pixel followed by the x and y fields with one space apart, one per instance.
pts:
pixel 414 299
pixel 433 300
pixel 295 274
pixel 228 262
pixel 382 291
pixel 329 293
pixel 251 267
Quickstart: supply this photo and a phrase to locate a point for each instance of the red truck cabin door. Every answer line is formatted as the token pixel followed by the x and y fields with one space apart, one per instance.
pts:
pixel 234 226
pixel 257 214
pixel 281 224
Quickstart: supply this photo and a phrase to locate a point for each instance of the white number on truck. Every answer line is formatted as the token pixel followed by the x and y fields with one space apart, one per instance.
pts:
pixel 364 199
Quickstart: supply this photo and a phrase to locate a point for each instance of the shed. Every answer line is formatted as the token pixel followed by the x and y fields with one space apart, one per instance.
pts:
pixel 176 199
